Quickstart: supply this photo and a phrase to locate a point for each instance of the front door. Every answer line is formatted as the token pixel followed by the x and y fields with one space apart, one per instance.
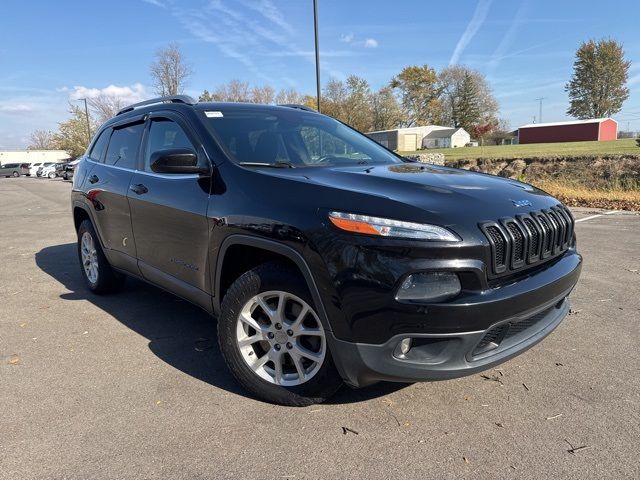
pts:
pixel 169 213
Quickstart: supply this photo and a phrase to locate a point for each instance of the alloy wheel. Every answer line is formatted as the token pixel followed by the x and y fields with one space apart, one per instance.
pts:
pixel 89 257
pixel 281 338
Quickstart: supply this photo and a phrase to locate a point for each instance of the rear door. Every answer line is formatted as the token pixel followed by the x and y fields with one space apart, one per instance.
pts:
pixel 107 184
pixel 169 212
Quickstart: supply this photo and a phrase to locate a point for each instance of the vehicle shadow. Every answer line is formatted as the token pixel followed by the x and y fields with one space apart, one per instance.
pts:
pixel 179 333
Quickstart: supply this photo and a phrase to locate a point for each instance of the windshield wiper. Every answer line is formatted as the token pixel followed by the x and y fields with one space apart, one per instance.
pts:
pixel 268 165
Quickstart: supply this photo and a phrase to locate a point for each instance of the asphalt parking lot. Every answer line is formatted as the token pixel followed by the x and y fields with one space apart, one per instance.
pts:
pixel 133 386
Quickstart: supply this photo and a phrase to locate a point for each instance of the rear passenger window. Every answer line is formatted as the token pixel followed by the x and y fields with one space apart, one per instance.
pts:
pixel 123 146
pixel 100 145
pixel 165 134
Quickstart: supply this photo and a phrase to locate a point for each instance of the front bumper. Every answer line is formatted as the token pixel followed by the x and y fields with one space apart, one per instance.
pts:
pixel 530 309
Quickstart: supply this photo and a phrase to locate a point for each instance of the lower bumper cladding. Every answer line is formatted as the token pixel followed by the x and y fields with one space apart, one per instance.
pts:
pixel 446 356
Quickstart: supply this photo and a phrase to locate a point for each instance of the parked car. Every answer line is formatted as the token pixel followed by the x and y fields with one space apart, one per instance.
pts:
pixel 67 171
pixel 45 165
pixel 33 168
pixel 326 258
pixel 14 169
pixel 49 170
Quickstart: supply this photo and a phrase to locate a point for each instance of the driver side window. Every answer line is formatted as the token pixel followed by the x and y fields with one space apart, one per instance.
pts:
pixel 165 134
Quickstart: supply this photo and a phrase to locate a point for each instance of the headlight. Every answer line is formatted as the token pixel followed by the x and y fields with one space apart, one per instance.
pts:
pixel 429 287
pixel 386 227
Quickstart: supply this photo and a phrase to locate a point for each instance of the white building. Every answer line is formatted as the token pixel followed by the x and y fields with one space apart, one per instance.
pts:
pixel 415 138
pixel 32 156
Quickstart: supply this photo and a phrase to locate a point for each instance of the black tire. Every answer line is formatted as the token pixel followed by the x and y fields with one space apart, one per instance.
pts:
pixel 266 277
pixel 16 174
pixel 108 279
pixel 52 175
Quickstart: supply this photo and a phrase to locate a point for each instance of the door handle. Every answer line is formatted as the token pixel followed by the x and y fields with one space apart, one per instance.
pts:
pixel 138 189
pixel 93 179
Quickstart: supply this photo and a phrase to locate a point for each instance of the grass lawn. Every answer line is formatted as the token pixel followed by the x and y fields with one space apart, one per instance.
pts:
pixel 537 150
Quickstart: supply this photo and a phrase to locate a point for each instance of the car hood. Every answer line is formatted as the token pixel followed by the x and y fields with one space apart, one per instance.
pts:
pixel 438 190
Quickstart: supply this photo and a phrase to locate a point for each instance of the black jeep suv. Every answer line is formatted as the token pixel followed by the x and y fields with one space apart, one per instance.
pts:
pixel 325 257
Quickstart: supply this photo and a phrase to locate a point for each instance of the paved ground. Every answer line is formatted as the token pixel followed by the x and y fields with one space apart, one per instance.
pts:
pixel 133 386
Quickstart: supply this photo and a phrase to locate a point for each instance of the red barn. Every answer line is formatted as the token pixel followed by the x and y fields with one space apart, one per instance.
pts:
pixel 574 131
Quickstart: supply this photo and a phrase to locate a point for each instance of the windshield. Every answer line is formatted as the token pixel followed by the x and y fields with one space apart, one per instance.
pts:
pixel 294 138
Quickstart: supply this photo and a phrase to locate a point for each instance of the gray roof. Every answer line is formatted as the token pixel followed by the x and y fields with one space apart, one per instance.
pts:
pixel 442 133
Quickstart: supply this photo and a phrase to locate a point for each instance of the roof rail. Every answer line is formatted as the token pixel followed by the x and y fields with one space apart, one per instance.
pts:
pixel 186 99
pixel 299 107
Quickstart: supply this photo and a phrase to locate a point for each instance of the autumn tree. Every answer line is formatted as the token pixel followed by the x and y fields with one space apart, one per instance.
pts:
pixel 41 140
pixel 386 113
pixel 598 87
pixel 170 71
pixel 466 98
pixel 334 96
pixel 420 94
pixel 72 135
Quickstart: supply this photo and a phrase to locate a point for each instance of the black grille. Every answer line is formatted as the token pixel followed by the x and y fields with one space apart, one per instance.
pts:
pixel 528 239
pixel 500 333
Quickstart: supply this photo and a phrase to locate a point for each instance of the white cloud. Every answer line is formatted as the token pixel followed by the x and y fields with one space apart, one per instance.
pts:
pixel 370 43
pixel 156 3
pixel 347 38
pixel 16 108
pixel 129 94
pixel 479 16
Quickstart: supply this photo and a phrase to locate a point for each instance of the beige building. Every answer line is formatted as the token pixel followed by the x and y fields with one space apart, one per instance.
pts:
pixel 417 138
pixel 32 156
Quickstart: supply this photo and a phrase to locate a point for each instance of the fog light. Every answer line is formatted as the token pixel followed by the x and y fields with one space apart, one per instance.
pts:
pixel 429 287
pixel 405 346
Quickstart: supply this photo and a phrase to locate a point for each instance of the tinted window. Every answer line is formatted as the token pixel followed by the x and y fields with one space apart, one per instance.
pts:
pixel 100 145
pixel 163 135
pixel 123 146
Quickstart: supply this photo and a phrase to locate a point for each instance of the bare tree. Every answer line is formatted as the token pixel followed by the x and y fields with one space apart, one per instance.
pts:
pixel 170 71
pixel 41 140
pixel 105 106
pixel 289 96
pixel 264 94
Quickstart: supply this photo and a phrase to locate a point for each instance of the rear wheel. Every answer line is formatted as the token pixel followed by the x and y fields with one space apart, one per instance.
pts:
pixel 97 272
pixel 52 175
pixel 273 340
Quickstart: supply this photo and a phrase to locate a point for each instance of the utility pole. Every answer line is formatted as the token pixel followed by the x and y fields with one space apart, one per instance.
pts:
pixel 315 29
pixel 540 112
pixel 86 113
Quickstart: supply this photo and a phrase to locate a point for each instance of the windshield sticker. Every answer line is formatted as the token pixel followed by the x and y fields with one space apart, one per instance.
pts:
pixel 213 114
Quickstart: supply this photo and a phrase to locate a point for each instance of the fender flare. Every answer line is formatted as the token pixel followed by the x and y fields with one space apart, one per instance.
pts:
pixel 83 206
pixel 280 249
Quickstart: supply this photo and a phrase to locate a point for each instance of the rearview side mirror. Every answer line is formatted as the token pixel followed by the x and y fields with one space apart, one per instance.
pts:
pixel 176 160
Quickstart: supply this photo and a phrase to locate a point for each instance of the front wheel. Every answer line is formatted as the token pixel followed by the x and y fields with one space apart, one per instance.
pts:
pixel 52 175
pixel 272 339
pixel 97 272
pixel 16 174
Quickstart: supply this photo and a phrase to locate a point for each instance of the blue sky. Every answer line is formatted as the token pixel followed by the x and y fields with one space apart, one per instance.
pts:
pixel 52 53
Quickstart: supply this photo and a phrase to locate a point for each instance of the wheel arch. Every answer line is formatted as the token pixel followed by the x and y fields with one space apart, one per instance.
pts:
pixel 272 251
